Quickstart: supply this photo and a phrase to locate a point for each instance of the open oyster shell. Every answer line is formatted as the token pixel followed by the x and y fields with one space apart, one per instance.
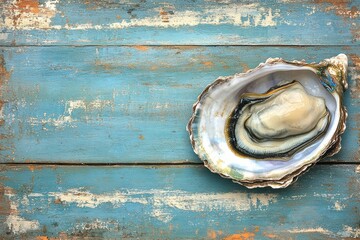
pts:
pixel 267 126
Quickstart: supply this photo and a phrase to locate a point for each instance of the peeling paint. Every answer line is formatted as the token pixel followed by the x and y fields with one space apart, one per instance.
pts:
pixel 20 225
pixel 4 36
pixel 70 106
pixel 340 8
pixel 195 202
pixel 14 222
pixel 310 230
pixel 28 14
pixel 354 72
pixel 245 15
pixel 350 232
pixel 338 206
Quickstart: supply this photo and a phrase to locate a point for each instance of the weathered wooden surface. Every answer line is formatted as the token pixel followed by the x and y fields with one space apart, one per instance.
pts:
pixel 124 104
pixel 113 82
pixel 83 22
pixel 183 202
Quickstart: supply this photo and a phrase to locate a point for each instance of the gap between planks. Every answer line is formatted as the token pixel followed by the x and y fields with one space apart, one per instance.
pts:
pixel 139 164
pixel 182 45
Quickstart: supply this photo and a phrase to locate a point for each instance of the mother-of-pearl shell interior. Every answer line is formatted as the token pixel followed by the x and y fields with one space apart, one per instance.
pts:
pixel 218 103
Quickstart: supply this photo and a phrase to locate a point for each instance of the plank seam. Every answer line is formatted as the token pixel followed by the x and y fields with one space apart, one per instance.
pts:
pixel 142 164
pixel 182 45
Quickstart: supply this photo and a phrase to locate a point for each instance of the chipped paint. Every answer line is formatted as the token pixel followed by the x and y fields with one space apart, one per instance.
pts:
pixel 338 206
pixel 357 170
pixel 20 225
pixel 4 36
pixel 310 230
pixel 195 202
pixel 340 8
pixel 28 14
pixel 14 222
pixel 350 232
pixel 70 106
pixel 245 15
pixel 354 72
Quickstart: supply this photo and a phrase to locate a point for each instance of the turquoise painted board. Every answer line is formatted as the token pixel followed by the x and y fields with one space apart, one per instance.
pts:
pixel 113 82
pixel 184 202
pixel 124 104
pixel 200 22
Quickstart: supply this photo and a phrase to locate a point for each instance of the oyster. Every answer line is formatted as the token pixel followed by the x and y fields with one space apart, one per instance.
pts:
pixel 267 126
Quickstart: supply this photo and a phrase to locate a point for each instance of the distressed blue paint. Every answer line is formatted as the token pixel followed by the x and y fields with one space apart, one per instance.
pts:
pixel 326 199
pixel 150 95
pixel 294 23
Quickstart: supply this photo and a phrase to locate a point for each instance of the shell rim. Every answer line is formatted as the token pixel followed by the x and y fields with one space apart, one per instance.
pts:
pixel 333 147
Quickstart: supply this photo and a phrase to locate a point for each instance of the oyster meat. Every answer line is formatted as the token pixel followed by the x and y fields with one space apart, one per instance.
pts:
pixel 267 126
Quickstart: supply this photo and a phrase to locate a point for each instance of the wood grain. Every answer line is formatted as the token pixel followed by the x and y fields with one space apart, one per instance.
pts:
pixel 184 202
pixel 128 104
pixel 199 22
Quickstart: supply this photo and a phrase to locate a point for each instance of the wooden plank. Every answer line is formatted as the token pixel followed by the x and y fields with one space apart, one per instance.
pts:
pixel 200 22
pixel 127 104
pixel 181 202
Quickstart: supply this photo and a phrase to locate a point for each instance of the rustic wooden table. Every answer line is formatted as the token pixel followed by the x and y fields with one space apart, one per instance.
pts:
pixel 95 97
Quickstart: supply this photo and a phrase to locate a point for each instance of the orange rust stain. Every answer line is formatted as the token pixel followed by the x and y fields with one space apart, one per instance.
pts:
pixel 141 48
pixel 225 67
pixel 4 74
pixel 355 90
pixel 34 167
pixel 341 8
pixel 164 15
pixel 211 234
pixel 28 6
pixel 102 65
pixel 154 68
pixel 42 238
pixel 141 137
pixel 245 235
pixel 118 17
pixel 5 208
pixel 245 67
pixel 208 64
pixel 356 60
pixel 270 235
pixel 57 201
pixel 4 78
pixel 241 236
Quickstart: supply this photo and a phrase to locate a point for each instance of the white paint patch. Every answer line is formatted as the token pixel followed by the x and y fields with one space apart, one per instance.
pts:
pixel 96 224
pixel 338 206
pixel 350 232
pixel 14 222
pixel 67 119
pixel 20 225
pixel 35 17
pixel 357 170
pixel 70 106
pixel 245 15
pixel 310 230
pixel 347 232
pixel 4 36
pixel 163 201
